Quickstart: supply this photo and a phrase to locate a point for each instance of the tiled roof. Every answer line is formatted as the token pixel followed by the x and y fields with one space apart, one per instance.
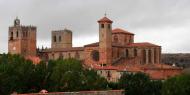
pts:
pixel 118 30
pixel 92 44
pixel 105 67
pixel 63 49
pixel 97 44
pixel 159 66
pixel 105 19
pixel 143 44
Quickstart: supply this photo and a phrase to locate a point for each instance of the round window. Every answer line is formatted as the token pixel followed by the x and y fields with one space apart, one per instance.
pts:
pixel 95 55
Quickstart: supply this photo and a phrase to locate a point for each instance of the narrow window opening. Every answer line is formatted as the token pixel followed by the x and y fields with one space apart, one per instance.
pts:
pixel 102 25
pixel 59 38
pixel 135 52
pixel 54 38
pixel 11 37
pixel 109 26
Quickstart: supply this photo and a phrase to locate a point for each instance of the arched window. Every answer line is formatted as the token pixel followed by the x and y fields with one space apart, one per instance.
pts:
pixel 11 34
pixel 127 53
pixel 115 38
pixel 109 26
pixel 135 52
pixel 102 25
pixel 54 38
pixel 59 38
pixel 118 53
pixel 11 37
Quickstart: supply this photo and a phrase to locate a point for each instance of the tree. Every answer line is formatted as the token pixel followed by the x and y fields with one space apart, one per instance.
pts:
pixel 20 75
pixel 15 74
pixel 139 84
pixel 69 75
pixel 179 85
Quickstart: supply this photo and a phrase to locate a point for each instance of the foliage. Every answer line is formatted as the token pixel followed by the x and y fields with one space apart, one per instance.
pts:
pixel 139 84
pixel 20 75
pixel 179 85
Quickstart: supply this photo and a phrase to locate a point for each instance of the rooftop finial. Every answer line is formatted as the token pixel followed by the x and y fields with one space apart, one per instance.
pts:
pixel 16 17
pixel 105 14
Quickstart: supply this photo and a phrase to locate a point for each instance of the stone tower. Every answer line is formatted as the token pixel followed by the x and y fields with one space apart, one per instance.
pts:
pixel 61 39
pixel 105 41
pixel 22 39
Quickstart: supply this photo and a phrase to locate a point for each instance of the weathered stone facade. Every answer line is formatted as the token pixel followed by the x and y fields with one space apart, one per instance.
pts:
pixel 116 51
pixel 22 39
pixel 61 39
pixel 113 47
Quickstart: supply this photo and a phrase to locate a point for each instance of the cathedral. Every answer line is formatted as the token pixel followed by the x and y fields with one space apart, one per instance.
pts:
pixel 114 53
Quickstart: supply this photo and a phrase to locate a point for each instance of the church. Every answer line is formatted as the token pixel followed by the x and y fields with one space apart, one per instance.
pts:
pixel 114 53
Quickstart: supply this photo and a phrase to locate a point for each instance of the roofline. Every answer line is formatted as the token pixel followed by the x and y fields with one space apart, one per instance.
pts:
pixel 122 33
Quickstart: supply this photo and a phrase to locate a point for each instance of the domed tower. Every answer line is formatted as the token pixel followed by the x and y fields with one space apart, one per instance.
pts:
pixel 105 41
pixel 61 39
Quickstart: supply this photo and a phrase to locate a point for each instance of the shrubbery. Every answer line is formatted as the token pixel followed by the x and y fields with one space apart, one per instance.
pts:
pixel 20 75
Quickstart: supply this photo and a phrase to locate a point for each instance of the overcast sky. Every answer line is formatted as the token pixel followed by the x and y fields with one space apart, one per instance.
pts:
pixel 162 22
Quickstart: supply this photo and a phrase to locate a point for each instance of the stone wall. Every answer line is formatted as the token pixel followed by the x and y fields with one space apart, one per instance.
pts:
pixel 88 55
pixel 65 55
pixel 22 40
pixel 109 92
pixel 61 39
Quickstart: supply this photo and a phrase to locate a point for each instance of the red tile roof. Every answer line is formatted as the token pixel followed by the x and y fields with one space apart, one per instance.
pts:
pixel 105 19
pixel 63 49
pixel 105 67
pixel 92 44
pixel 143 44
pixel 118 30
pixel 159 66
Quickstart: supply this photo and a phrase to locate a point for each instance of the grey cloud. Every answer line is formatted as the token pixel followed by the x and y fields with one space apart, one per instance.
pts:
pixel 81 17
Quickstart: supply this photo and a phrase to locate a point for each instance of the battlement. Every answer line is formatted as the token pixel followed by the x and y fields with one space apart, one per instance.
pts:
pixel 24 27
pixel 65 30
pixel 30 27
